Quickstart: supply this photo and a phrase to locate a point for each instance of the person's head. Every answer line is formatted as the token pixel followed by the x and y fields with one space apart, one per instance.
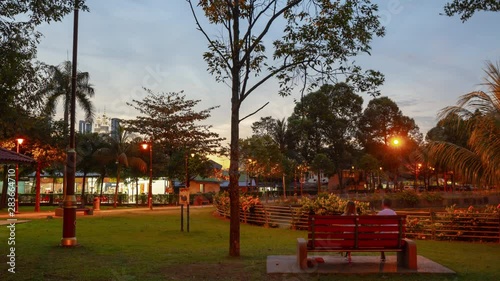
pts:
pixel 386 203
pixel 350 208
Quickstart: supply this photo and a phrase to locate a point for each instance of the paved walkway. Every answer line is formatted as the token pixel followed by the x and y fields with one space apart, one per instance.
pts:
pixel 360 265
pixel 106 212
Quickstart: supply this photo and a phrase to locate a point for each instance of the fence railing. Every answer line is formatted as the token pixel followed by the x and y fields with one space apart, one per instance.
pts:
pixel 483 227
pixel 420 225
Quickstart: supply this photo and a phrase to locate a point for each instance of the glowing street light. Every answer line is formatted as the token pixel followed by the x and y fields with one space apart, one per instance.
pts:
pixel 397 144
pixel 145 146
pixel 417 168
pixel 16 207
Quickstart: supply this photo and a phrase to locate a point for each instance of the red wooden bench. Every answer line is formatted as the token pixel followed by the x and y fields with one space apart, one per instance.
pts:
pixel 358 234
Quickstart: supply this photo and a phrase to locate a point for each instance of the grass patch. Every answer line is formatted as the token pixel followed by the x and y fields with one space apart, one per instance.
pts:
pixel 150 246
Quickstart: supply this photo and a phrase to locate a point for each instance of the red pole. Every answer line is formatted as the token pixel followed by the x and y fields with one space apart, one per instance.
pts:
pixel 69 203
pixel 150 188
pixel 16 198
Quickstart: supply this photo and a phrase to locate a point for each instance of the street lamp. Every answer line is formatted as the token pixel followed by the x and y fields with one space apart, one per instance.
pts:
pixel 379 179
pixel 145 146
pixel 417 167
pixel 397 143
pixel 16 207
pixel 69 203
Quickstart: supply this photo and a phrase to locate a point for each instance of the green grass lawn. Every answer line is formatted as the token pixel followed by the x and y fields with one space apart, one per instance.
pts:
pixel 150 246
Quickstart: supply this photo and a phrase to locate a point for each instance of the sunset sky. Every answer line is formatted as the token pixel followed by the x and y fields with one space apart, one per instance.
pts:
pixel 429 60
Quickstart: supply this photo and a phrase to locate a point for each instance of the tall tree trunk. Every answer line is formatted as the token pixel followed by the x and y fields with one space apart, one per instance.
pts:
pixel 115 203
pixel 234 191
pixel 136 191
pixel 103 175
pixel 83 198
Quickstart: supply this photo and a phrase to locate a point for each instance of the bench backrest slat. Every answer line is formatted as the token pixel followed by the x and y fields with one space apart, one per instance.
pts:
pixel 356 232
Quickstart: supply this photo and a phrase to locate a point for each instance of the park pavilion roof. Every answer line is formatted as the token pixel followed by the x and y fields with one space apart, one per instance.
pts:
pixel 8 157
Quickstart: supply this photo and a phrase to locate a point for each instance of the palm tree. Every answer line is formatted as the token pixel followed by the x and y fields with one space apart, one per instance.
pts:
pixel 478 162
pixel 121 149
pixel 59 85
pixel 87 156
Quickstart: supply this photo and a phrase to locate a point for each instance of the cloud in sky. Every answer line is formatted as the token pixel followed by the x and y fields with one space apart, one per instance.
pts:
pixel 429 60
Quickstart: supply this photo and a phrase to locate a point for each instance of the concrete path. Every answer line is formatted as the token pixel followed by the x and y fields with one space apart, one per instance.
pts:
pixel 8 222
pixel 335 264
pixel 45 214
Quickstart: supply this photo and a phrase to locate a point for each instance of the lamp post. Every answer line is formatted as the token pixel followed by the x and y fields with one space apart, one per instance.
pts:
pixel 379 179
pixel 16 207
pixel 145 146
pixel 69 203
pixel 417 167
pixel 397 143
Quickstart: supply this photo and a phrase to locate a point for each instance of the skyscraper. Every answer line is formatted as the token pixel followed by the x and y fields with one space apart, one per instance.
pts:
pixel 115 128
pixel 84 127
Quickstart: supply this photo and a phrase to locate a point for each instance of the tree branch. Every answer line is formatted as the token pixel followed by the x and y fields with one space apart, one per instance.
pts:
pixel 206 35
pixel 253 112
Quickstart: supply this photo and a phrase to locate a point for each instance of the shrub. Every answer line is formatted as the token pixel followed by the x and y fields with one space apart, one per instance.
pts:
pixel 431 196
pixel 329 204
pixel 409 197
pixel 247 202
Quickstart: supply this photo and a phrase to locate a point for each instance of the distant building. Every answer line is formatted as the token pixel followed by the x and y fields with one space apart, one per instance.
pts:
pixel 115 128
pixel 101 125
pixel 84 127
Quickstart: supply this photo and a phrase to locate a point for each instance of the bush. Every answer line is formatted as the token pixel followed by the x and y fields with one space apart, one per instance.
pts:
pixel 431 196
pixel 409 197
pixel 329 204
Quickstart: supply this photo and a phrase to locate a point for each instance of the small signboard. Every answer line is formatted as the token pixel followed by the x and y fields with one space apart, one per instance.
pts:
pixel 184 196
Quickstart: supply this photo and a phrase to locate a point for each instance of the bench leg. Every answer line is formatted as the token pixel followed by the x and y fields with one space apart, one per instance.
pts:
pixel 301 253
pixel 408 257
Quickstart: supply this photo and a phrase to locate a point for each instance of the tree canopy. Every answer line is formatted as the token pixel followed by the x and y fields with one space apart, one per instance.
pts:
pixel 317 42
pixel 20 75
pixel 477 114
pixel 170 120
pixel 467 8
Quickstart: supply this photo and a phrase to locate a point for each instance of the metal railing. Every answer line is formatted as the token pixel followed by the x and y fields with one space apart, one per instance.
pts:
pixel 482 227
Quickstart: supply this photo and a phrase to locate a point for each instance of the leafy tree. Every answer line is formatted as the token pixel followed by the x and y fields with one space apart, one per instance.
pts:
pixel 371 165
pixel 478 162
pixel 59 86
pixel 277 129
pixel 170 122
pixel 325 122
pixel 382 122
pixel 320 163
pixel 20 75
pixel 87 148
pixel 467 8
pixel 264 156
pixel 319 38
pixel 118 151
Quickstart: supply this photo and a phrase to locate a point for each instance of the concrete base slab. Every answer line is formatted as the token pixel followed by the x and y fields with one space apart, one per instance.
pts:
pixel 359 265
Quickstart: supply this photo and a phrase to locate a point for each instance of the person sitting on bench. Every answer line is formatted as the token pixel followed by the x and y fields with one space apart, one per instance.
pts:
pixel 386 211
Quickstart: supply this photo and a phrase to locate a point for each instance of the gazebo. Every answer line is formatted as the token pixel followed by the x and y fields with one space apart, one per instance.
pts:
pixel 11 157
